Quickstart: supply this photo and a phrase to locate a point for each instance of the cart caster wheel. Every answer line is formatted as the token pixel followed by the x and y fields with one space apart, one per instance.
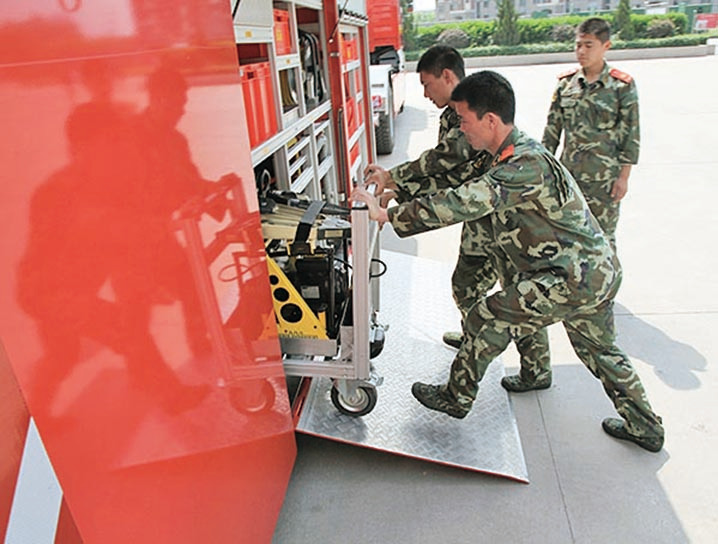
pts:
pixel 360 405
pixel 253 397
pixel 377 344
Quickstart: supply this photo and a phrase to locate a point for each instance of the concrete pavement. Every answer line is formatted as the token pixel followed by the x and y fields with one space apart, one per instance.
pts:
pixel 585 486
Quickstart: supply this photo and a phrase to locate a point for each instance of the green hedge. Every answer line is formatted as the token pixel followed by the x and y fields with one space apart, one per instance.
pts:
pixel 539 30
pixel 535 31
pixel 480 32
pixel 555 47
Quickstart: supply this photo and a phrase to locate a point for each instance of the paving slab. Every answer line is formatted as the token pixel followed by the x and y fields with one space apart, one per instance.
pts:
pixel 585 486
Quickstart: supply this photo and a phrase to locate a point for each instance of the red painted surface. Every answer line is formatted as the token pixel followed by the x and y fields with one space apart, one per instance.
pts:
pixel 151 367
pixel 13 428
pixel 384 23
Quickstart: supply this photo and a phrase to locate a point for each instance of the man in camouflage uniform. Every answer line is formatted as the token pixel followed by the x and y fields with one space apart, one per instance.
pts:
pixel 452 162
pixel 596 108
pixel 559 263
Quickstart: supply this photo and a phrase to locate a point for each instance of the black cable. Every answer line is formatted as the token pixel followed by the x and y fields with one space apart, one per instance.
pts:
pixel 343 262
pixel 383 271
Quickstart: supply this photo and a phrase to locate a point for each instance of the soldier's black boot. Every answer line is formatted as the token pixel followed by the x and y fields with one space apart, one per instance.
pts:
pixel 617 429
pixel 436 397
pixel 452 339
pixel 516 384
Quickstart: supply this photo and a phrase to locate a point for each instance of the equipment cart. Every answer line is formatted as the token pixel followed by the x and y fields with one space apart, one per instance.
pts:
pixel 324 271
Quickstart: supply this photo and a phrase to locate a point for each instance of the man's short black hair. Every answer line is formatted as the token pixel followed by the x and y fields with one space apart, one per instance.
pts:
pixel 487 91
pixel 440 57
pixel 596 26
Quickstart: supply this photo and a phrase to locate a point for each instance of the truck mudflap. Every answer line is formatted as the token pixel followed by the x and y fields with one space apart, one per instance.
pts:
pixel 418 313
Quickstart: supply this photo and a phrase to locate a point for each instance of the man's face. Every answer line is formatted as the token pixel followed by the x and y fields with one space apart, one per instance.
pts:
pixel 590 50
pixel 477 131
pixel 436 89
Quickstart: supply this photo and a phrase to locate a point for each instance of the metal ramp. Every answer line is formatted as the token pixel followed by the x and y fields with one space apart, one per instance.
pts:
pixel 417 306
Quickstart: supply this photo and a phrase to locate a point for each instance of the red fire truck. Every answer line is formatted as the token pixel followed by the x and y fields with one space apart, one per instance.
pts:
pixel 387 72
pixel 177 241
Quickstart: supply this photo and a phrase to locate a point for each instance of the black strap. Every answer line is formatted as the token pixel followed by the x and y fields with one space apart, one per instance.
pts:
pixel 305 223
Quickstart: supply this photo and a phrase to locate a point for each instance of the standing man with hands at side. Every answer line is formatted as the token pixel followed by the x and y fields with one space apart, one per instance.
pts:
pixel 559 264
pixel 596 108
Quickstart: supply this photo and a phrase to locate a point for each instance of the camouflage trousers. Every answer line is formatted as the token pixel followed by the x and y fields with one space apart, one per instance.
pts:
pixel 505 315
pixel 606 213
pixel 474 276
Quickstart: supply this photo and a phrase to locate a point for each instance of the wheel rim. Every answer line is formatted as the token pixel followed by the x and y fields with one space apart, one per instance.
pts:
pixel 357 402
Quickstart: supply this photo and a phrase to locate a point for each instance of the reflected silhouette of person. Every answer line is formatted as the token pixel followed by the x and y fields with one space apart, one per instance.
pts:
pixel 170 180
pixel 83 274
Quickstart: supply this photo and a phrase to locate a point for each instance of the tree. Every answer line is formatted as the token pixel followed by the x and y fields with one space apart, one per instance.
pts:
pixel 622 20
pixel 507 30
pixel 408 26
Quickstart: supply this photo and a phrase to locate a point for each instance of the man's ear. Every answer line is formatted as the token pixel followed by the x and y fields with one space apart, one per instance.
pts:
pixel 607 45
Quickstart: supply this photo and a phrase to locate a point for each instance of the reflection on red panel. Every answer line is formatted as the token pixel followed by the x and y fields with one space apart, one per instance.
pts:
pixel 66 531
pixel 135 303
pixel 13 429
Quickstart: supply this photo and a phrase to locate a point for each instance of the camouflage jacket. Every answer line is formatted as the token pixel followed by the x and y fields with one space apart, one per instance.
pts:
pixel 427 174
pixel 539 217
pixel 600 125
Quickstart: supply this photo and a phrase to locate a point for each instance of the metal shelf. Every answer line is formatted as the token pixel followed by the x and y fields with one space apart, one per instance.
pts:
pixel 351 65
pixel 252 34
pixel 265 149
pixel 302 181
pixel 354 138
pixel 325 166
pixel 315 4
pixel 321 126
pixel 284 62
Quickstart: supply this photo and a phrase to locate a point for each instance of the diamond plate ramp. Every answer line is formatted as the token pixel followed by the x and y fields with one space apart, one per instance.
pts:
pixel 417 306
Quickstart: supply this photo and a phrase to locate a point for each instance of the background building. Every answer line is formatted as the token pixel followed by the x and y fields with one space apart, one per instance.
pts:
pixel 461 10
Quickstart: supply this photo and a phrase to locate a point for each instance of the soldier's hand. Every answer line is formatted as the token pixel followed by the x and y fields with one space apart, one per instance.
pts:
pixel 379 176
pixel 619 189
pixel 386 197
pixel 376 212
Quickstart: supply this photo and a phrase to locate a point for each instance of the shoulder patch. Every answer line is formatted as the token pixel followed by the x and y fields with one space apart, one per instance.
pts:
pixel 567 73
pixel 506 153
pixel 620 76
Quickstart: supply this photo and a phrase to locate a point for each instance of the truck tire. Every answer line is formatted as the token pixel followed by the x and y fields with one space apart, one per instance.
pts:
pixel 385 130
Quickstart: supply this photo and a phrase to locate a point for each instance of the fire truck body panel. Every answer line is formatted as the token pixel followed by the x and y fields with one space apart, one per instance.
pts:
pixel 119 119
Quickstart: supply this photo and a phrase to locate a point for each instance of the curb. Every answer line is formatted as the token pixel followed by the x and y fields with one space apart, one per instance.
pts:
pixel 570 57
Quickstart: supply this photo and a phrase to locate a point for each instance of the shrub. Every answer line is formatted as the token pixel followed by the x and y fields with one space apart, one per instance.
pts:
pixel 673 41
pixel 660 28
pixel 492 50
pixel 426 37
pixel 563 33
pixel 454 37
pixel 679 20
pixel 480 31
pixel 539 31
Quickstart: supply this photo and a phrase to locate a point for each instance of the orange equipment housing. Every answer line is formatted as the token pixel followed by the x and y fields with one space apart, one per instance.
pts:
pixel 384 24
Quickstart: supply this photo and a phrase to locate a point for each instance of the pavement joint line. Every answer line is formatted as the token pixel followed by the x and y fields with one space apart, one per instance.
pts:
pixel 554 464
